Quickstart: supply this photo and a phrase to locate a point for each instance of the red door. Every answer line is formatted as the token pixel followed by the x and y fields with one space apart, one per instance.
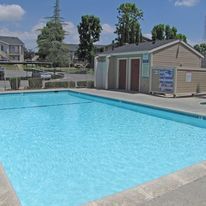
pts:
pixel 122 74
pixel 135 74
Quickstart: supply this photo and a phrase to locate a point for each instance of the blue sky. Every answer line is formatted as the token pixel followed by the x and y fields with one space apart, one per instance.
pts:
pixel 23 18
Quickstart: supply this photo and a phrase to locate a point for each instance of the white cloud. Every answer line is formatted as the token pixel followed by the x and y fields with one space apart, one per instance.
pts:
pixel 29 37
pixel 107 29
pixel 72 32
pixel 11 12
pixel 148 35
pixel 187 3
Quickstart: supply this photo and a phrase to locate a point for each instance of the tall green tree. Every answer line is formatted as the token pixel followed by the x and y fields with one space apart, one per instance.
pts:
pixel 162 32
pixel 170 33
pixel 181 37
pixel 89 32
pixel 50 40
pixel 158 32
pixel 128 28
pixel 201 48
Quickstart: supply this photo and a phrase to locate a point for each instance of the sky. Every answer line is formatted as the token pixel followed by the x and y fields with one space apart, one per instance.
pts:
pixel 24 18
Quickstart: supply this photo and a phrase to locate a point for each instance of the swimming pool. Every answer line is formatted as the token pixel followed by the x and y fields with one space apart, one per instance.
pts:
pixel 65 148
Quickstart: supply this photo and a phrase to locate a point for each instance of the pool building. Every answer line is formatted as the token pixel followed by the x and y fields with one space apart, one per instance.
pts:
pixel 167 66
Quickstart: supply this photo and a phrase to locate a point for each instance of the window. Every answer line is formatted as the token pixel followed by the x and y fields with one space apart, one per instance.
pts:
pixel 14 49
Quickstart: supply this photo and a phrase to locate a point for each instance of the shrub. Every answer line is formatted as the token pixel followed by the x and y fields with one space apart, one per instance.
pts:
pixel 59 85
pixel 82 84
pixel 15 83
pixel 71 84
pixel 35 83
pixel 77 71
pixel 90 84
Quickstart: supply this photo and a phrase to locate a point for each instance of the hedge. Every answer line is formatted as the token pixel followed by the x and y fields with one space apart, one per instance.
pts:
pixel 35 83
pixel 70 84
pixel 83 84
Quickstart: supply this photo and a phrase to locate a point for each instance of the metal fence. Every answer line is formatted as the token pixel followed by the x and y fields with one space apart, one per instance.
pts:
pixel 28 80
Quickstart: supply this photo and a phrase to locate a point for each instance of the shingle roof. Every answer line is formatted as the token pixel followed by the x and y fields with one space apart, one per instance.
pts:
pixel 11 40
pixel 144 46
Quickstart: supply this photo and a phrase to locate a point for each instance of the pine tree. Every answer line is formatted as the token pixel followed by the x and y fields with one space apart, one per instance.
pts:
pixel 128 27
pixel 50 41
pixel 89 32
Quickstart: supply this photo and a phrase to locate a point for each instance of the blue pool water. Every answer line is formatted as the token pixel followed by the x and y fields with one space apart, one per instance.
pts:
pixel 65 149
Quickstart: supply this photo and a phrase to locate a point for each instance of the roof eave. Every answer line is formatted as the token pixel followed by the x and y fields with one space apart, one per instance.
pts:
pixel 123 53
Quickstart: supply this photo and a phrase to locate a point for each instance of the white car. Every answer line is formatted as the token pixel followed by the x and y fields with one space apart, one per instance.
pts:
pixel 46 75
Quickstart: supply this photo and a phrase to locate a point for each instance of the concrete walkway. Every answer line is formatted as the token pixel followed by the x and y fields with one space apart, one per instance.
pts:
pixel 187 104
pixel 193 194
pixel 7 194
pixel 185 187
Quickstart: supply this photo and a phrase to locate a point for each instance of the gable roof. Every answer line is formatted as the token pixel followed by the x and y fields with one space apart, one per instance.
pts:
pixel 149 47
pixel 11 40
pixel 144 46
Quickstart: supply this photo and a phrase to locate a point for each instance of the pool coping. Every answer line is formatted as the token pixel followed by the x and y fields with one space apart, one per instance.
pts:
pixel 8 196
pixel 154 189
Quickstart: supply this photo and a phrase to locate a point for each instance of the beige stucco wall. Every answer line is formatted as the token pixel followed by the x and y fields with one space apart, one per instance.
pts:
pixel 155 81
pixel 198 80
pixel 176 55
pixel 113 72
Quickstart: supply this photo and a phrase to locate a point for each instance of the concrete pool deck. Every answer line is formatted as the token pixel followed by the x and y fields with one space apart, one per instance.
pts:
pixel 8 196
pixel 192 105
pixel 185 187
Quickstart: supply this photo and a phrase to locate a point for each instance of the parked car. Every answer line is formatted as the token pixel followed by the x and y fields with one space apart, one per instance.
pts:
pixel 45 75
pixel 42 75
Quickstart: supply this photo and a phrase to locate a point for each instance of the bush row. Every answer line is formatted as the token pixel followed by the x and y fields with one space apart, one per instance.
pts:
pixel 59 85
pixel 88 84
